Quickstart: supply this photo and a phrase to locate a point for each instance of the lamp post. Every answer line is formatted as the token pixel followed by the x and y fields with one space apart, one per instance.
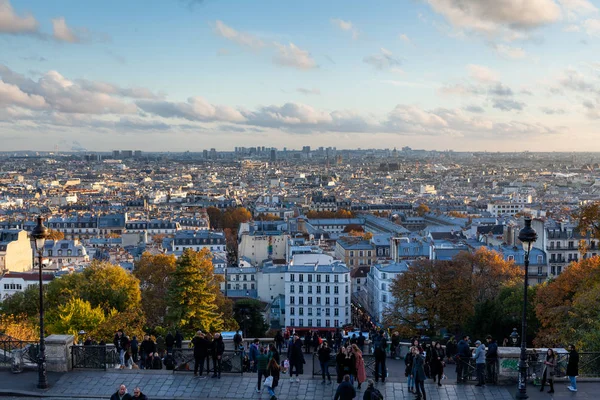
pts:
pixel 527 236
pixel 514 337
pixel 38 237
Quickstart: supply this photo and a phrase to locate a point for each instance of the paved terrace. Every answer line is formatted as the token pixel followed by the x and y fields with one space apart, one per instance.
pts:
pixel 166 385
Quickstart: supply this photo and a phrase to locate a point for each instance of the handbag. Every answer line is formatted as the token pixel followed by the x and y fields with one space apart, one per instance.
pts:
pixel 268 381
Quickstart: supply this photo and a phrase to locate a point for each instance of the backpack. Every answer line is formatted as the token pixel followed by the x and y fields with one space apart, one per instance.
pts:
pixel 376 395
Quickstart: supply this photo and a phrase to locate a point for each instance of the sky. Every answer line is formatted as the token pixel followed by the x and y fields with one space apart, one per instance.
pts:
pixel 178 75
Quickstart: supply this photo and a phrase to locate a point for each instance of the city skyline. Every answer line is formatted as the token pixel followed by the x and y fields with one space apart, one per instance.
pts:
pixel 468 75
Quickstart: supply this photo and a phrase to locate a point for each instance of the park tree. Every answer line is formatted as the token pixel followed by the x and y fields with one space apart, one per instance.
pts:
pixel 489 272
pixel 74 316
pixel 248 314
pixel 22 304
pixel 588 219
pixel 154 273
pixel 132 321
pixel 225 306
pixel 422 209
pixel 55 235
pixel 431 295
pixel 568 308
pixel 19 327
pixel 193 292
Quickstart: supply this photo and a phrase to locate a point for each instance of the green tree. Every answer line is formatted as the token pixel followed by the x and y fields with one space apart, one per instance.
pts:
pixel 132 321
pixel 154 273
pixel 193 293
pixel 74 316
pixel 25 303
pixel 248 314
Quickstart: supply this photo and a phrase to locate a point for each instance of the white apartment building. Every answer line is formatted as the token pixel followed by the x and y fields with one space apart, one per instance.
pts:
pixel 317 297
pixel 198 240
pixel 64 253
pixel 14 282
pixel 378 297
pixel 504 208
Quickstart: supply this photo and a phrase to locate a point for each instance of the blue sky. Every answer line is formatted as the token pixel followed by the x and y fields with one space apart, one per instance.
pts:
pixel 496 75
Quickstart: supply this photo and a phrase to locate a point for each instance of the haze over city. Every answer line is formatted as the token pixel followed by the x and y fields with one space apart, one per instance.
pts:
pixel 499 75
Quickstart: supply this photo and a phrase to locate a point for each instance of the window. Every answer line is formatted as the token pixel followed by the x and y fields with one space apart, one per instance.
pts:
pixel 291 277
pixel 336 290
pixel 310 289
pixel 292 311
pixel 326 278
pixel 301 289
pixel 252 286
pixel 310 280
pixel 327 289
pixel 292 321
pixel 310 322
pixel 336 312
pixel 358 281
pixel 300 300
pixel 384 298
pixel 553 269
pixel 336 301
pixel 301 311
pixel 301 277
pixel 245 277
pixel 318 278
pixel 292 289
pixel 327 323
pixel 310 311
pixel 326 301
pixel 292 299
pixel 346 289
pixel 310 300
pixel 511 258
pixel 318 289
pixel 383 286
pixel 327 312
pixel 318 312
pixel 318 300
pixel 336 278
pixel 301 322
pixel 383 275
pixel 351 253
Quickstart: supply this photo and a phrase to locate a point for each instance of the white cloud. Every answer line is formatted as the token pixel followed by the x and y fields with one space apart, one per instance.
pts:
pixel 11 95
pixel 195 109
pixel 308 91
pixel 552 111
pixel 482 74
pixel 462 90
pixel 383 61
pixel 592 27
pixel 12 23
pixel 510 51
pixel 572 28
pixel 346 26
pixel 61 32
pixel 490 16
pixel 293 56
pixel 242 38
pixel 508 104
pixel 405 38
pixel 578 6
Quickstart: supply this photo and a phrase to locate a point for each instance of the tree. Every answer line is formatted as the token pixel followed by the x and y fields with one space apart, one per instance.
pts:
pixel 25 303
pixel 267 217
pixel 568 307
pixel 233 217
pixel 74 316
pixel 588 218
pixel 55 235
pixel 193 292
pixel 431 295
pixel 225 306
pixel 132 321
pixel 214 217
pixel 248 314
pixel 489 272
pixel 422 209
pixel 154 273
pixel 19 327
pixel 231 245
pixel 353 228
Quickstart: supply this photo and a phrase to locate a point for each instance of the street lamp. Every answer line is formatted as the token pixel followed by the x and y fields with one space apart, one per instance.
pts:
pixel 527 236
pixel 514 337
pixel 38 237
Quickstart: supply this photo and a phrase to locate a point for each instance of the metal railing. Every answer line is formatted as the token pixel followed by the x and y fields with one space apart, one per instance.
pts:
pixel 589 365
pixel 232 362
pixel 94 357
pixel 18 354
pixel 369 361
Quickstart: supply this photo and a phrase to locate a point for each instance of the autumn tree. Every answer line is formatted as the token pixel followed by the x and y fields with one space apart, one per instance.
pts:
pixel 214 217
pixel 193 292
pixel 422 209
pixel 19 327
pixel 568 307
pixel 267 217
pixel 488 271
pixel 431 295
pixel 74 316
pixel 22 304
pixel 231 245
pixel 233 217
pixel 588 218
pixel 353 228
pixel 248 314
pixel 225 307
pixel 132 321
pixel 55 235
pixel 154 273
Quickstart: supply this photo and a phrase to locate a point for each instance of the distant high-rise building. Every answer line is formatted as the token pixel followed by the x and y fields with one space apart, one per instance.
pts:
pixel 138 154
pixel 213 154
pixel 127 154
pixel 116 154
pixel 273 155
pixel 306 149
pixel 205 154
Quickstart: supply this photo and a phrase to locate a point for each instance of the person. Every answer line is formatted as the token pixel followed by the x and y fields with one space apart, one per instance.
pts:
pixel 479 357
pixel 148 348
pixel 237 340
pixel 218 348
pixel 178 339
pixel 340 364
pixel 573 367
pixel 361 342
pixel 462 362
pixel 137 394
pixel 262 360
pixel 345 390
pixel 408 362
pixel 359 370
pixel 419 373
pixel 273 353
pixel 121 343
pixel 316 341
pixel 273 369
pixel 395 351
pixel 296 359
pixel 169 361
pixel 128 360
pixel 324 354
pixel 549 364
pixel 135 347
pixel 201 346
pixel 307 342
pixel 121 394
pixel 160 344
pixel 253 354
pixel 429 359
pixel 372 393
pixel 156 361
pixel 491 359
pixel 338 339
pixel 350 364
pixel 380 356
pixel 209 338
pixel 451 350
pixel 279 340
pixel 170 342
pixel 437 363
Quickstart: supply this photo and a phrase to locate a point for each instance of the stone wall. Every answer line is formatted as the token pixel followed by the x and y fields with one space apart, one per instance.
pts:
pixel 58 352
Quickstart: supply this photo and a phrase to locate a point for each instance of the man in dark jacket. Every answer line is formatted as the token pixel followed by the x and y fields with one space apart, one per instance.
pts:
pixel 361 342
pixel 121 394
pixel 137 394
pixel 345 390
pixel 573 367
pixel 491 359
pixel 135 348
pixel 371 393
pixel 307 342
pixel 178 340
pixel 148 348
pixel 380 358
pixel 237 341
pixel 296 358
pixel 462 363
pixel 201 346
pixel 279 341
pixel 170 342
pixel 218 348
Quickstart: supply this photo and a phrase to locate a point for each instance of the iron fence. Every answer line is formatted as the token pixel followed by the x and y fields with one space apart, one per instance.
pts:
pixel 369 361
pixel 18 354
pixel 589 365
pixel 232 362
